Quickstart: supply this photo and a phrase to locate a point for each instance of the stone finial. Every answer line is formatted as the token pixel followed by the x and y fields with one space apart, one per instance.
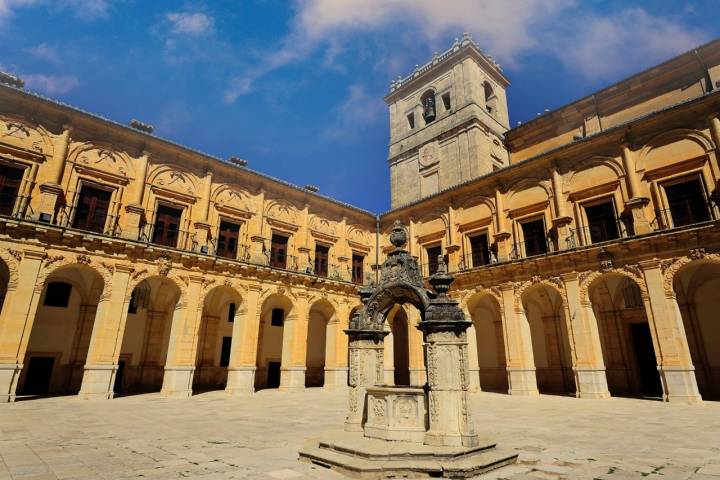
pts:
pixel 441 279
pixel 143 127
pixel 398 236
pixel 241 162
pixel 12 80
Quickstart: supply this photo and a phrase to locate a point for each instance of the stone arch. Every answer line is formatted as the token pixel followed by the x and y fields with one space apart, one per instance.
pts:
pixel 619 306
pixel 322 333
pixel 486 340
pixel 630 271
pixel 671 267
pixel 56 341
pixel 220 307
pixel 702 144
pixel 101 156
pixel 582 166
pixel 544 307
pixel 11 261
pixel 695 283
pixel 554 283
pixel 271 336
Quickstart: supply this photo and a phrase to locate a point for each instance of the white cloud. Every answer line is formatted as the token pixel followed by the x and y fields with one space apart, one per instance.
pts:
pixel 358 110
pixel 83 9
pixel 508 30
pixel 8 7
pixel 190 23
pixel 44 51
pixel 50 84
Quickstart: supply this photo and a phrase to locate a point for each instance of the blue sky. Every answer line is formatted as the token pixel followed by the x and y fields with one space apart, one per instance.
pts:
pixel 296 87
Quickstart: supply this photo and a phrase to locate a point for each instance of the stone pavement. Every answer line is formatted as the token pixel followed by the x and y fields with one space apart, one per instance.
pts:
pixel 213 436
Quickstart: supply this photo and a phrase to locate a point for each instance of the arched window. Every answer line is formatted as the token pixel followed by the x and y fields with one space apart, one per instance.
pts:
pixel 490 98
pixel 428 103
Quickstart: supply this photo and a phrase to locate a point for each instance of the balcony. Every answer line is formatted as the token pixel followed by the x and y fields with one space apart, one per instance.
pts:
pixel 599 232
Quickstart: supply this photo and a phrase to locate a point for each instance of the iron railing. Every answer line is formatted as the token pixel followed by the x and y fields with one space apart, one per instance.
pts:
pixel 599 232
pixel 685 215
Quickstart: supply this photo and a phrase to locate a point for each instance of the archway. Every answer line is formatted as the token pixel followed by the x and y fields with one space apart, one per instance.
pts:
pixel 275 309
pixel 625 338
pixel 141 364
pixel 61 331
pixel 400 346
pixel 485 314
pixel 696 288
pixel 544 311
pixel 215 338
pixel 320 338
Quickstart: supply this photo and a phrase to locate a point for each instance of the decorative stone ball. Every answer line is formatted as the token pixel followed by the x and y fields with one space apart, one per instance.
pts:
pixel 398 237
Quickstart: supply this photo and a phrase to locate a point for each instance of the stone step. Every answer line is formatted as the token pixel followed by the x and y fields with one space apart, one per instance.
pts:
pixel 366 467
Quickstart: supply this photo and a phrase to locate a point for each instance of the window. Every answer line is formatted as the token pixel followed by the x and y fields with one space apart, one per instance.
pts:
pixel 321 260
pixel 228 239
pixel 10 179
pixel 433 253
pixel 57 294
pixel 231 313
pixel 602 222
pixel 225 351
pixel 278 317
pixel 278 251
pixel 428 103
pixel 357 268
pixel 687 202
pixel 480 252
pixel 167 226
pixel 534 237
pixel 446 101
pixel 411 120
pixel 490 98
pixel 92 209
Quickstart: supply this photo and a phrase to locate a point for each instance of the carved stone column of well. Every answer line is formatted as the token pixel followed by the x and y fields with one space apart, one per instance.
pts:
pixel 17 317
pixel 416 356
pixel 673 353
pixel 365 370
pixel 51 191
pixel 243 350
pixel 389 357
pixel 134 210
pixel 107 333
pixel 588 366
pixel 446 352
pixel 637 202
pixel 182 347
pixel 294 349
pixel 520 360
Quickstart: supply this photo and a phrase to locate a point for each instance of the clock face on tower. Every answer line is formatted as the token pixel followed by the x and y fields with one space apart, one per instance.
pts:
pixel 429 155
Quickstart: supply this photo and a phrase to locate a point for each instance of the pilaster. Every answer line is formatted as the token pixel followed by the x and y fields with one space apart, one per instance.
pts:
pixel 520 361
pixel 292 368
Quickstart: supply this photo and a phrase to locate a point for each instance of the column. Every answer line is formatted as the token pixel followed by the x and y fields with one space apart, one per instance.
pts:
pixel 202 227
pixel 674 362
pixel 562 220
pixel 365 370
pixel 182 348
pixel 18 315
pixel 336 350
pixel 416 360
pixel 294 349
pixel 473 364
pixel 388 355
pixel 588 366
pixel 134 210
pixel 502 235
pixel 243 353
pixel 51 190
pixel 519 353
pixel 258 254
pixel 637 203
pixel 106 339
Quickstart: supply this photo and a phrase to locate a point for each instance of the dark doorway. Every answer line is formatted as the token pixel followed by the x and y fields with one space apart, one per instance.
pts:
pixel 167 226
pixel 602 222
pixel 273 375
pixel 37 380
pixel 228 240
pixel 401 355
pixel 118 385
pixel 225 351
pixel 645 356
pixel 10 179
pixel 92 209
pixel 687 202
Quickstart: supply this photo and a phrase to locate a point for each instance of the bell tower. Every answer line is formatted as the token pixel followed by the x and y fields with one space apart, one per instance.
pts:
pixel 447 122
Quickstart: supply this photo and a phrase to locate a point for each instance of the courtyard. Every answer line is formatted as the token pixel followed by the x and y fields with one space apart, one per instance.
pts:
pixel 216 436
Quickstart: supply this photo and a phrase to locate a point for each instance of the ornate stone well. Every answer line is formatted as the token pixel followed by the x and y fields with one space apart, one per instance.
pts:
pixel 392 430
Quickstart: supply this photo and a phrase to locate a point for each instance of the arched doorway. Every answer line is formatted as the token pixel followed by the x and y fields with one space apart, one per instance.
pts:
pixel 61 331
pixel 696 288
pixel 400 342
pixel 275 309
pixel 319 332
pixel 544 311
pixel 625 337
pixel 491 363
pixel 141 364
pixel 215 338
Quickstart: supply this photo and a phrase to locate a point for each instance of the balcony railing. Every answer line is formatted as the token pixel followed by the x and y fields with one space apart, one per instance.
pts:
pixel 599 232
pixel 685 215
pixel 180 239
pixel 18 208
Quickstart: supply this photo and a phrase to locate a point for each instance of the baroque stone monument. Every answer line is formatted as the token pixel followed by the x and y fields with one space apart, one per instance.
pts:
pixel 417 430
